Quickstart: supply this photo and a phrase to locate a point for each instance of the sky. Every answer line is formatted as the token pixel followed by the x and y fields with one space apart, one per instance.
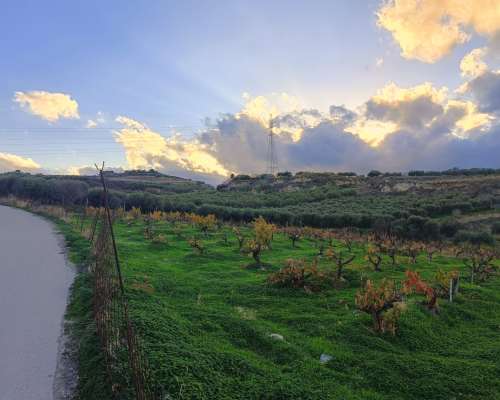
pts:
pixel 188 88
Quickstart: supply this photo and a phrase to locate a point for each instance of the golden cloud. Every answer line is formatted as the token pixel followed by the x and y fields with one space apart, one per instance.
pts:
pixel 472 64
pixel 145 148
pixel 472 119
pixel 392 94
pixel 11 162
pixel 48 106
pixel 372 131
pixel 263 108
pixel 427 30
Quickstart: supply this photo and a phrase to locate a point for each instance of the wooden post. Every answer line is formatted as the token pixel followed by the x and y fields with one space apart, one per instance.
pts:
pixel 110 223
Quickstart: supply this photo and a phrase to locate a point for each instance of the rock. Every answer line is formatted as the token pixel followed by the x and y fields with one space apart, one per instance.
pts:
pixel 324 358
pixel 276 336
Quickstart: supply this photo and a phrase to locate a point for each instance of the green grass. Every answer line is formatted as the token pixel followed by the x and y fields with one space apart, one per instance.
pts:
pixel 205 321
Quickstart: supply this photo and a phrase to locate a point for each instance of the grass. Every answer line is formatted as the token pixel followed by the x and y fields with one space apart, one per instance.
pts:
pixel 205 323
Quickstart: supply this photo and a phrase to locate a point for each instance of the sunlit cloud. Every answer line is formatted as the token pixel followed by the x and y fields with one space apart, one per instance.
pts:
pixel 471 120
pixel 472 64
pixel 145 148
pixel 427 30
pixel 276 105
pixel 48 106
pixel 371 131
pixel 12 162
pixel 96 121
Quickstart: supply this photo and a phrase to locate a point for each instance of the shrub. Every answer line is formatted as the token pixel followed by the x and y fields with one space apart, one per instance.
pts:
pixel 414 283
pixel 475 238
pixel 449 228
pixel 239 237
pixel 383 303
pixel 197 245
pixel 341 259
pixel 160 239
pixel 495 228
pixel 293 234
pixel 298 274
pixel 479 261
pixel 374 256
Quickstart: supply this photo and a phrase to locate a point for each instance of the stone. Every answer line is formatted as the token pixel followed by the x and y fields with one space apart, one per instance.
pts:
pixel 324 358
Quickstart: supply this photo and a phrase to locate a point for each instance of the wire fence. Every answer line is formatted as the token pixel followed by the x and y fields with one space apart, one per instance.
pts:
pixel 126 365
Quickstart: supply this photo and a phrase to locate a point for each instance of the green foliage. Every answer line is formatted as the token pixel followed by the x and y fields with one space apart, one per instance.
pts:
pixel 205 323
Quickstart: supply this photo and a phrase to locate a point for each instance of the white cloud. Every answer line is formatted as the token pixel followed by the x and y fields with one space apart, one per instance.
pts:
pixel 379 62
pixel 145 148
pixel 12 162
pixel 427 30
pixel 91 124
pixel 48 106
pixel 473 65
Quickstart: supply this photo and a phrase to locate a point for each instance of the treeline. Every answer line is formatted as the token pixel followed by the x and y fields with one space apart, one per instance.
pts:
pixel 457 172
pixel 406 215
pixel 46 190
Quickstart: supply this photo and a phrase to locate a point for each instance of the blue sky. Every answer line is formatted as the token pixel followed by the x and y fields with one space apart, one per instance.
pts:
pixel 170 65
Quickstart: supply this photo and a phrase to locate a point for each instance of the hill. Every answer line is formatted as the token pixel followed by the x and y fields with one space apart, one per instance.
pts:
pixel 419 204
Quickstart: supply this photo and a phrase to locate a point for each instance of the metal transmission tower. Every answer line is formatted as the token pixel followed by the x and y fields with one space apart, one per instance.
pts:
pixel 272 161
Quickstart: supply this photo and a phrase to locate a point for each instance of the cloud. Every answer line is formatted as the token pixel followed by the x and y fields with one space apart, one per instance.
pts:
pixel 427 30
pixel 407 107
pixel 48 106
pixel 12 162
pixel 85 170
pixel 145 149
pixel 379 62
pixel 91 124
pixel 399 128
pixel 485 88
pixel 472 65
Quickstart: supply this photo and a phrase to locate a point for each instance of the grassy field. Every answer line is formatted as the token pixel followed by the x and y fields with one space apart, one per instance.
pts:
pixel 206 323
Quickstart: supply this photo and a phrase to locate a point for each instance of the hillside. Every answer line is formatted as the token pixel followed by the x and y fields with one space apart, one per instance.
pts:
pixel 420 204
pixel 461 181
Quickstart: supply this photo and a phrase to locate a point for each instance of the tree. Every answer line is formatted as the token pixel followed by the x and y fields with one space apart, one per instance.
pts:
pixel 197 245
pixel 412 250
pixel 263 231
pixel 293 234
pixel 239 237
pixel 374 256
pixel 204 223
pixel 254 248
pixel 263 235
pixel 383 303
pixel 479 261
pixel 341 259
pixel 414 283
pixel 390 245
pixel 298 274
pixel 347 237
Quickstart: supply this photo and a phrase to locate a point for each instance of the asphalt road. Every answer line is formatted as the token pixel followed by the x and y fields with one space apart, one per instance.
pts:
pixel 34 287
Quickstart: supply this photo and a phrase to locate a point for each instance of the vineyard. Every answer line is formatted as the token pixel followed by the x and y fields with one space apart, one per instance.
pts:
pixel 257 311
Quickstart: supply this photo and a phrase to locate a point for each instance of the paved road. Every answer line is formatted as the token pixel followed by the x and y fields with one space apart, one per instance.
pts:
pixel 34 284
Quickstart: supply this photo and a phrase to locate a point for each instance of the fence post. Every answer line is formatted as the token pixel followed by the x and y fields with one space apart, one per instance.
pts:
pixel 110 223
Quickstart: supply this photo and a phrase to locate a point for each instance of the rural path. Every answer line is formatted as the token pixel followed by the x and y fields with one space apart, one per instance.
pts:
pixel 34 285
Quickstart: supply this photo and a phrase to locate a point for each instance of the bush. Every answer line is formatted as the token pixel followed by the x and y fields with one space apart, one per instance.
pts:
pixel 495 228
pixel 383 303
pixel 298 274
pixel 475 238
pixel 449 228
